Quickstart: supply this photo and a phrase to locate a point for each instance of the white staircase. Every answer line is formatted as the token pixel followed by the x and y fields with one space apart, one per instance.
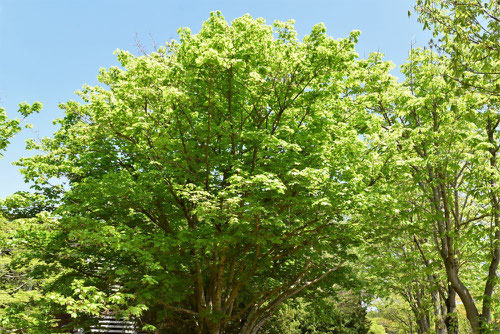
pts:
pixel 110 325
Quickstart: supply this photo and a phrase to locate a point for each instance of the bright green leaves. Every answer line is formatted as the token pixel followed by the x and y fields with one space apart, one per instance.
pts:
pixel 22 303
pixel 26 109
pixel 441 172
pixel 9 127
pixel 209 175
pixel 469 32
pixel 215 178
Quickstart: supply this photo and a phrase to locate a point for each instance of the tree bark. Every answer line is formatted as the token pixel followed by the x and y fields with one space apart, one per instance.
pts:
pixel 451 319
pixel 470 306
pixel 495 204
pixel 439 323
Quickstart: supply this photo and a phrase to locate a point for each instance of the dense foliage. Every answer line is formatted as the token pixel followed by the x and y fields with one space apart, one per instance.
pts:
pixel 240 180
pixel 16 287
pixel 212 181
pixel 339 314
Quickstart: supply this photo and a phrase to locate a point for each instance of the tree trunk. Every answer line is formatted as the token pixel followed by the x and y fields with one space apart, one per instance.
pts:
pixel 254 322
pixel 451 319
pixel 495 205
pixel 439 323
pixel 423 325
pixel 410 323
pixel 465 296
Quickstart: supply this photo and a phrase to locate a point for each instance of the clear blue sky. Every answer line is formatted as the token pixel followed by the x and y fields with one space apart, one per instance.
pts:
pixel 50 48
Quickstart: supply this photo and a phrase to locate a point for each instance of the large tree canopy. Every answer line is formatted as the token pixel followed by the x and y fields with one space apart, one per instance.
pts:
pixel 211 180
pixel 237 177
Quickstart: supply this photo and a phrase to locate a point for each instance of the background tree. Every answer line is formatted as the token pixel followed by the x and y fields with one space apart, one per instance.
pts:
pixel 340 314
pixel 393 314
pixel 17 292
pixel 448 145
pixel 469 32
